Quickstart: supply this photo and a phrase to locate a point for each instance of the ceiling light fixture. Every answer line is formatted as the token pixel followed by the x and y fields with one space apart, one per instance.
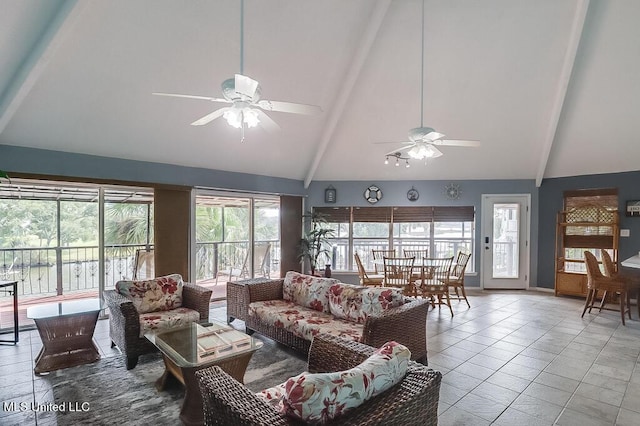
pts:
pixel 398 156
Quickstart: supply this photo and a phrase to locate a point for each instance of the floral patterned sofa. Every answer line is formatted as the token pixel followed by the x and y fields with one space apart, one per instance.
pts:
pixel 294 309
pixel 137 307
pixel 333 390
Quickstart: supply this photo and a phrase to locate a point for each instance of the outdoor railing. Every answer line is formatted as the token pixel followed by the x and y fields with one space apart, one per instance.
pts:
pixel 221 257
pixel 61 270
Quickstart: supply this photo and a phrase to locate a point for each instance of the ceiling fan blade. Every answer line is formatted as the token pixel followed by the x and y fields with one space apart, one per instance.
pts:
pixel 245 85
pixel 210 117
pixel 433 136
pixel 437 152
pixel 457 142
pixel 401 142
pixel 267 123
pixel 204 98
pixel 404 148
pixel 289 107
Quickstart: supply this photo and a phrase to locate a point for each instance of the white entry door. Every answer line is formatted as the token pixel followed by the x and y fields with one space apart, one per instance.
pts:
pixel 505 241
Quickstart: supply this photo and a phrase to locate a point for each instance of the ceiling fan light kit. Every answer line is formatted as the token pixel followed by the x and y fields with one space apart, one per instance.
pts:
pixel 423 140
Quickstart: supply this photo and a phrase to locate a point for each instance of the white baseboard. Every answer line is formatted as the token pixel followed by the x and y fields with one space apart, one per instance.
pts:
pixel 542 289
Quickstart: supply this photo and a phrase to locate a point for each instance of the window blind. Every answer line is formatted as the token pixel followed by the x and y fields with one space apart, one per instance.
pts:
pixel 399 214
pixel 334 214
pixel 605 197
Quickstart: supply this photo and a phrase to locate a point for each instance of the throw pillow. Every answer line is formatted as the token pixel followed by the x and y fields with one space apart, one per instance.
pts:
pixel 321 397
pixel 308 291
pixel 355 303
pixel 157 294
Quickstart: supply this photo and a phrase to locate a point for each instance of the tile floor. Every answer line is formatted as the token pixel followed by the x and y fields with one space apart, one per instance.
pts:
pixel 514 358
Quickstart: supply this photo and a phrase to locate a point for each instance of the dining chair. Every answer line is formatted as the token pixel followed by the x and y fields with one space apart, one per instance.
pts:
pixel 611 271
pixel 418 254
pixel 380 255
pixel 596 281
pixel 397 273
pixel 455 279
pixel 434 285
pixel 366 278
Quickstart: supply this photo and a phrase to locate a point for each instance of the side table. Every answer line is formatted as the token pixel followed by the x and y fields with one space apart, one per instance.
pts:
pixel 236 300
pixel 12 292
pixel 66 330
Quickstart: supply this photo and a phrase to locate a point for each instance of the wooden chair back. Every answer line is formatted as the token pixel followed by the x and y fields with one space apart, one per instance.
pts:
pixel 458 268
pixel 439 267
pixel 397 271
pixel 380 255
pixel 610 269
pixel 418 254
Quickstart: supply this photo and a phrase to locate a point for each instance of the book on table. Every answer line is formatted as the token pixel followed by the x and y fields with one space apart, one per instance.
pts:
pixel 221 341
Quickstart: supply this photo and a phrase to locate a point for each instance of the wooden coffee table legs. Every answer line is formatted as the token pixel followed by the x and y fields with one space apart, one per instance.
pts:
pixel 67 341
pixel 191 412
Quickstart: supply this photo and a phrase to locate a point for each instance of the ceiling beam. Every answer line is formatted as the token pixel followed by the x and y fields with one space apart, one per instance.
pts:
pixel 36 61
pixel 344 93
pixel 563 84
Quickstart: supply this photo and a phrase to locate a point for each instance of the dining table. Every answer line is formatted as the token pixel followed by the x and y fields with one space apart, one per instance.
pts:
pixel 631 270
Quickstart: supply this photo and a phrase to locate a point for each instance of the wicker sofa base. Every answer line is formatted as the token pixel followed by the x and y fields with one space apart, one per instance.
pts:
pixel 280 335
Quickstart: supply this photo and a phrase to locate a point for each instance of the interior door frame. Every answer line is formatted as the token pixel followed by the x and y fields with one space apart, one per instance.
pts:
pixel 526 268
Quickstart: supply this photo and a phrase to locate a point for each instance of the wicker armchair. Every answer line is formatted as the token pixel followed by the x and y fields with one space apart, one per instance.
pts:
pixel 414 401
pixel 124 320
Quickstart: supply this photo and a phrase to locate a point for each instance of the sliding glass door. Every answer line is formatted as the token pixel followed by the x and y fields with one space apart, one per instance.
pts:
pixel 237 237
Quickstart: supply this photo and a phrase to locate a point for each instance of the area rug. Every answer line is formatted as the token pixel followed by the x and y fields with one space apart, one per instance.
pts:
pixel 106 393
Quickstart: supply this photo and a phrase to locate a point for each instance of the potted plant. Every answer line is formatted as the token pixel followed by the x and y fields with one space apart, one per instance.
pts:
pixel 313 246
pixel 4 174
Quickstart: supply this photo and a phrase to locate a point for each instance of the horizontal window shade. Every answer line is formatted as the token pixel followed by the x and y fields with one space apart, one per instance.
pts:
pixel 372 214
pixel 453 214
pixel 334 214
pixel 590 241
pixel 606 198
pixel 412 214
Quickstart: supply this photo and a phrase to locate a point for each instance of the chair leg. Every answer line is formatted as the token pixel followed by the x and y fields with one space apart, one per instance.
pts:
pixel 603 301
pixel 446 296
pixel 464 294
pixel 594 296
pixel 622 303
pixel 132 361
pixel 586 302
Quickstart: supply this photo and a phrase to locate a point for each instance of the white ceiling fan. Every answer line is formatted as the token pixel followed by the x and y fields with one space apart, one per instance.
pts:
pixel 244 95
pixel 424 141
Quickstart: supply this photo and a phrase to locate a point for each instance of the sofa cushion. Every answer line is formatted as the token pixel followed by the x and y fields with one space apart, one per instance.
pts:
pixel 162 320
pixel 157 294
pixel 356 303
pixel 322 397
pixel 308 291
pixel 303 322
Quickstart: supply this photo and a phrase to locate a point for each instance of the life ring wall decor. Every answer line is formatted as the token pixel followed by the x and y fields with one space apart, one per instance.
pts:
pixel 373 194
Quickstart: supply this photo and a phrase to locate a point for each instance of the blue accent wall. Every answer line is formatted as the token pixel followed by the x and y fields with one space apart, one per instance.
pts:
pixel 551 202
pixel 38 161
pixel 394 193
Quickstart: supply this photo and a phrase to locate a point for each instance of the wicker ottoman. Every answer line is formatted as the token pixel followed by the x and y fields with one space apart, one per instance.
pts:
pixel 236 300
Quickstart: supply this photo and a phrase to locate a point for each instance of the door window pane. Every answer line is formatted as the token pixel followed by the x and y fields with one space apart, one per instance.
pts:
pixel 506 254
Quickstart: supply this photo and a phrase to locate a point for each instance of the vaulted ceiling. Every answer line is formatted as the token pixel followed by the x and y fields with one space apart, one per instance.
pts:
pixel 549 87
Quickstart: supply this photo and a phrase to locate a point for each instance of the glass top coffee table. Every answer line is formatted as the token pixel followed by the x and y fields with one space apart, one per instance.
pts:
pixel 193 347
pixel 66 330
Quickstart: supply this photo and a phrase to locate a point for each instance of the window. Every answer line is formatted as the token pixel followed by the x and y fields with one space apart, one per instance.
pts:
pixel 443 231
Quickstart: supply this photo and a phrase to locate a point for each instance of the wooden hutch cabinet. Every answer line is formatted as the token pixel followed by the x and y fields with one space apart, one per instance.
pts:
pixel 587 227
